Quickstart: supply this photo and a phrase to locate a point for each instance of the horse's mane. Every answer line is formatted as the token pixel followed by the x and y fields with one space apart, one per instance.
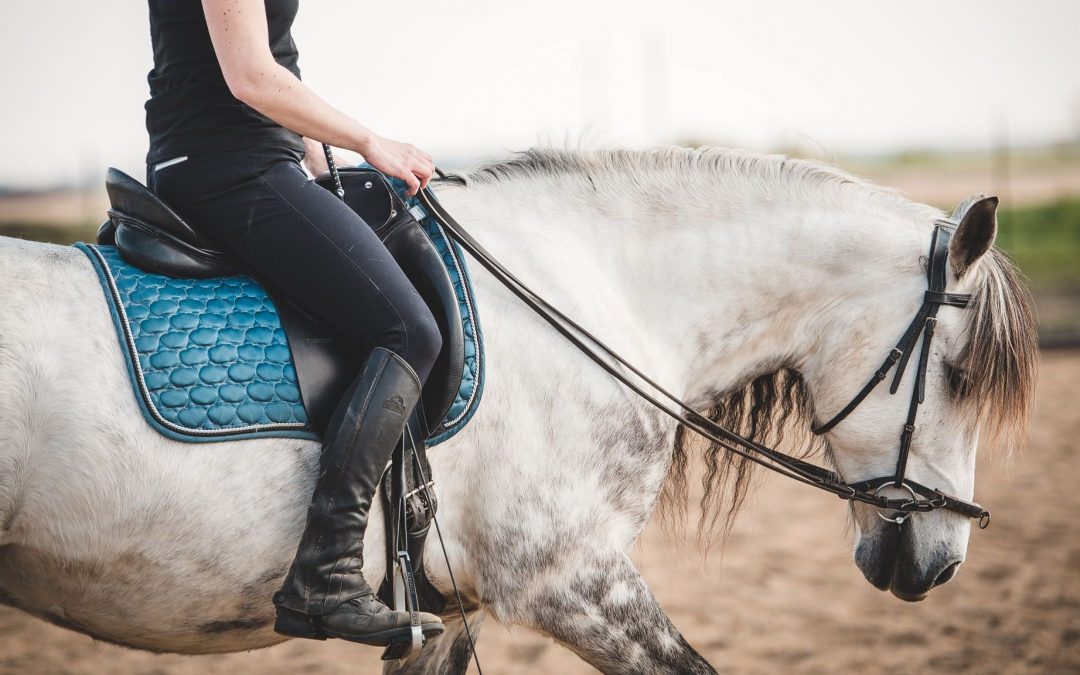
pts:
pixel 994 376
pixel 679 175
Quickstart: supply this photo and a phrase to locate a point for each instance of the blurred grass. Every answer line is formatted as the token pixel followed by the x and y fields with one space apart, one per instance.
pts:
pixel 1044 241
pixel 50 232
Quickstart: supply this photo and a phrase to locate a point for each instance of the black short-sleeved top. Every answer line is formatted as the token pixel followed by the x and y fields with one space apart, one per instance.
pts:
pixel 191 110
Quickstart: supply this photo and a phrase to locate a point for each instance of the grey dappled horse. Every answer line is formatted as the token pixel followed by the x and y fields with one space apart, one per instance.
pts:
pixel 751 286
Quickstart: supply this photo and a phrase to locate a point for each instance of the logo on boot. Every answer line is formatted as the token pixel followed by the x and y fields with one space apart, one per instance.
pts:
pixel 395 403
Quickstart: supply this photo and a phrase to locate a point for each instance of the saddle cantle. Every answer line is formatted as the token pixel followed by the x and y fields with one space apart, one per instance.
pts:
pixel 214 354
pixel 153 237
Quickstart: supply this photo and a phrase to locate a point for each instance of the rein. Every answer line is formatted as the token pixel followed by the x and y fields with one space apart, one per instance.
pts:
pixel 922 498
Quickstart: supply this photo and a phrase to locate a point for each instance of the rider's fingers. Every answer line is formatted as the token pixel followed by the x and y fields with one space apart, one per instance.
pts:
pixel 413 182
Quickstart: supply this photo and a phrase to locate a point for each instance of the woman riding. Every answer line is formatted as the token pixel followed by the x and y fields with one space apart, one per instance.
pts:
pixel 230 123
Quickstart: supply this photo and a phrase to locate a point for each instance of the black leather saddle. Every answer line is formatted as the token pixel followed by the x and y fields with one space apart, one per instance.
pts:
pixel 152 236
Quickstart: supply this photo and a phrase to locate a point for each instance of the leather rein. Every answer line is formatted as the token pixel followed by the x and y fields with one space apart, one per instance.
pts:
pixel 922 498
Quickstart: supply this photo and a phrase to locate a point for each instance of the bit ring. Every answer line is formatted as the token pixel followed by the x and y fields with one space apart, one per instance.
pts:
pixel 897 517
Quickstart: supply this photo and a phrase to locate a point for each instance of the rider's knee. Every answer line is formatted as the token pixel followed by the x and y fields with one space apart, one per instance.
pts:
pixel 424 339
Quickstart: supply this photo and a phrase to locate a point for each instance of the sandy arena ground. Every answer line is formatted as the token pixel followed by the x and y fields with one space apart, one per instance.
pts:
pixel 784 598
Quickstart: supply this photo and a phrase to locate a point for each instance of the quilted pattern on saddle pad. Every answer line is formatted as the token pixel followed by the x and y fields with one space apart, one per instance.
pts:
pixel 212 358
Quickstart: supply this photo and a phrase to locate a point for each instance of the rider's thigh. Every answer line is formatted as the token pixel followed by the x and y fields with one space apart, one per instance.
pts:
pixel 302 241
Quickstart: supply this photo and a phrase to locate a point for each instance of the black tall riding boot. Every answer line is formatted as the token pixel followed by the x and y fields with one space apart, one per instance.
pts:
pixel 325 594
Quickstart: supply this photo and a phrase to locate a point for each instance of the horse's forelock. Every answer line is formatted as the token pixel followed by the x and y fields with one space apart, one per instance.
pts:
pixel 1000 357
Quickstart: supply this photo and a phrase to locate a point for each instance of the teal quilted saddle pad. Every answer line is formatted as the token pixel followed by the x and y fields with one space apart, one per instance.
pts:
pixel 209 359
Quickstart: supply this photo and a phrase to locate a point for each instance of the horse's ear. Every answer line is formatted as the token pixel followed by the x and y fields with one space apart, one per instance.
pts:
pixel 974 235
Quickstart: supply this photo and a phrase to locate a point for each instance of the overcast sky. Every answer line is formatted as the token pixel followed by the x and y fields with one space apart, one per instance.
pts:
pixel 480 78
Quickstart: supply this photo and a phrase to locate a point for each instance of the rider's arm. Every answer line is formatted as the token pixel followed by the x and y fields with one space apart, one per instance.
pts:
pixel 238 31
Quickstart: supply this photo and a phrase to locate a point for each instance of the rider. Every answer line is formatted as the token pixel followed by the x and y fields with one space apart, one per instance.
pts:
pixel 230 123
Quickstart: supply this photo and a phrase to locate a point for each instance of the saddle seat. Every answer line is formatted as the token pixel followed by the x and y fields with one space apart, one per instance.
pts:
pixel 153 237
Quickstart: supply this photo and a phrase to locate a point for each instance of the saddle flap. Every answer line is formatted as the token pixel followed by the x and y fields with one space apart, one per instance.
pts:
pixel 373 198
pixel 321 351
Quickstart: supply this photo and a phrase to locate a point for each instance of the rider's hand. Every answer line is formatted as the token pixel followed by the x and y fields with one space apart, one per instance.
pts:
pixel 400 160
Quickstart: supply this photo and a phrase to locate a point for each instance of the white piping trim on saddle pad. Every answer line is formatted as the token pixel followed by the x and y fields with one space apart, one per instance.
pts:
pixel 169 162
pixel 472 319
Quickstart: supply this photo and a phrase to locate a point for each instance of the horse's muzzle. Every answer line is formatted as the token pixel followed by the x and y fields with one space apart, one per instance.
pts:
pixel 887 559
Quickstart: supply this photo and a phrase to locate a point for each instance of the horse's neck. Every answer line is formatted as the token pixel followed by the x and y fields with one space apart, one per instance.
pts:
pixel 702 298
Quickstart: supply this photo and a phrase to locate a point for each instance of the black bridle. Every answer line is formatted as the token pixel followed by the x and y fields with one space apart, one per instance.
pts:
pixel 922 498
pixel 924 324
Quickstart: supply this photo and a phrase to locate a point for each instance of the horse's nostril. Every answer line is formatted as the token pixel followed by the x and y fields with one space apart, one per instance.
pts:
pixel 947 574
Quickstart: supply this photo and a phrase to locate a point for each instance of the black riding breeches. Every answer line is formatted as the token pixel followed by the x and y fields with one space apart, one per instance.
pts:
pixel 297 237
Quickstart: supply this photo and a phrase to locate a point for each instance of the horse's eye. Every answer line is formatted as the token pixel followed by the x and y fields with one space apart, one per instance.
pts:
pixel 959 383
